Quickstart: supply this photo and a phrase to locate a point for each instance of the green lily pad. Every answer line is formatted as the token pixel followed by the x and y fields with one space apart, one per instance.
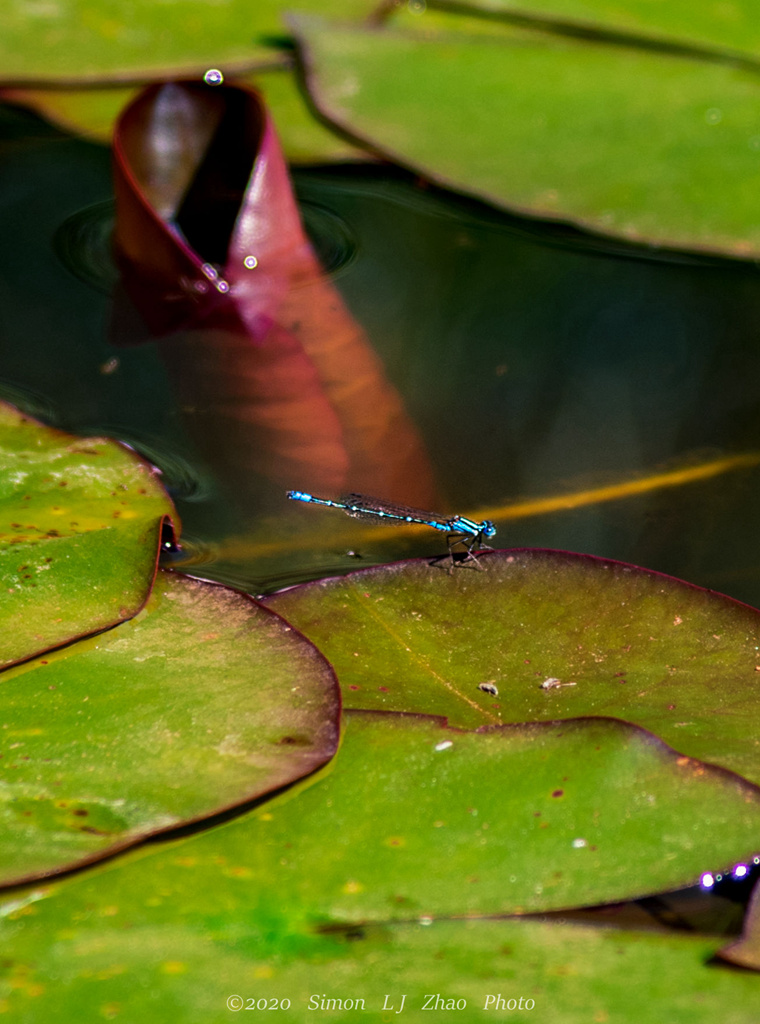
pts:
pixel 186 971
pixel 746 952
pixel 102 40
pixel 202 701
pixel 280 903
pixel 734 27
pixel 675 659
pixel 518 819
pixel 624 141
pixel 80 525
pixel 93 112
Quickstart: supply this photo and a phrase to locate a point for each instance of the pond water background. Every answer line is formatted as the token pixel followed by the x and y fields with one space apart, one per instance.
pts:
pixel 535 361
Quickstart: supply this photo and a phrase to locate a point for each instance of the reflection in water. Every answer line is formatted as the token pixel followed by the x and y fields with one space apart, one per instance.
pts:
pixel 276 377
pixel 541 365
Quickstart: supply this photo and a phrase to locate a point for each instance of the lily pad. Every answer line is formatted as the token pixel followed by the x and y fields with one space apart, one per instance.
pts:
pixel 517 819
pixel 625 141
pixel 98 40
pixel 558 635
pixel 733 27
pixel 93 113
pixel 202 701
pixel 182 969
pixel 81 521
pixel 300 895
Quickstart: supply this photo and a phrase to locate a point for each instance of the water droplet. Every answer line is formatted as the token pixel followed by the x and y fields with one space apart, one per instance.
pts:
pixel 426 921
pixel 222 285
pixel 740 870
pixel 213 77
pixel 250 262
pixel 707 881
pixel 417 6
pixel 714 115
pixel 210 271
pixel 578 843
pixel 444 745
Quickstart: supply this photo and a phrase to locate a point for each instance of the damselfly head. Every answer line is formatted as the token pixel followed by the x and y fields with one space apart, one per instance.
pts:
pixel 488 529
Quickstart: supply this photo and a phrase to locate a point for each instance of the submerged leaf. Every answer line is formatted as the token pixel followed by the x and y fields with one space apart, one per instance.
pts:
pixel 281 379
pixel 615 640
pixel 80 524
pixel 202 701
pixel 746 952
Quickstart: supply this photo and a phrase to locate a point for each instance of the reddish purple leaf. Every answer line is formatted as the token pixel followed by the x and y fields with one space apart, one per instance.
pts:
pixel 281 379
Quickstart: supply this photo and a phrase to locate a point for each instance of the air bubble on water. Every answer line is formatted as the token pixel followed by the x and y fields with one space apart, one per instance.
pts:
pixel 213 77
pixel 250 262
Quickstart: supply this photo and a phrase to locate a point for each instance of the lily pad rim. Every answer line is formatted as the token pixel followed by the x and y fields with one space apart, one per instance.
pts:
pixel 280 59
pixel 573 722
pixel 167 519
pixel 27 417
pixel 589 30
pixel 321 108
pixel 177 829
pixel 620 725
pixel 599 560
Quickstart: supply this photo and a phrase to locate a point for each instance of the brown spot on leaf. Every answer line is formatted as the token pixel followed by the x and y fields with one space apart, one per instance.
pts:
pixel 294 741
pixel 558 792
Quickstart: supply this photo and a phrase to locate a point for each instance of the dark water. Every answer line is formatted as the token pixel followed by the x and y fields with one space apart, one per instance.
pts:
pixel 534 360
